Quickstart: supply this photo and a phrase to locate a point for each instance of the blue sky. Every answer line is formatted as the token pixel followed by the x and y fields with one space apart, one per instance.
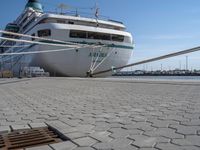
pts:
pixel 158 26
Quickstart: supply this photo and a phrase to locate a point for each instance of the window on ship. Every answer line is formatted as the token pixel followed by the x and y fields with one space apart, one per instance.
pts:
pixel 1 50
pixel 96 35
pixel 99 36
pixel 44 33
pixel 71 22
pixel 78 34
pixel 33 39
pixel 61 21
pixel 118 38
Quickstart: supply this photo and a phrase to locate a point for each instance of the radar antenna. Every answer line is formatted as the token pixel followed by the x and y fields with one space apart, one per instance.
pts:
pixel 63 7
pixel 96 8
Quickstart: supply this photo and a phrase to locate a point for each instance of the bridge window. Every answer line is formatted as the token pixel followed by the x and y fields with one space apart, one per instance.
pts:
pixel 71 22
pixel 33 39
pixel 118 38
pixel 78 34
pixel 44 33
pixel 96 36
pixel 61 21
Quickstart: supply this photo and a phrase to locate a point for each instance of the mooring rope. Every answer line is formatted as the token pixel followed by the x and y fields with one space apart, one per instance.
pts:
pixel 39 38
pixel 35 42
pixel 46 51
pixel 100 63
pixel 98 55
pixel 151 60
pixel 92 60
pixel 7 46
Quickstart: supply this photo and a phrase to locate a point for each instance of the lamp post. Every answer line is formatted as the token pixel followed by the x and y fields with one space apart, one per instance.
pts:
pixel 186 62
pixel 2 66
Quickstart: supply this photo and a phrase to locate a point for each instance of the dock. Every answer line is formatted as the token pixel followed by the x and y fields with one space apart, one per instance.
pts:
pixel 105 113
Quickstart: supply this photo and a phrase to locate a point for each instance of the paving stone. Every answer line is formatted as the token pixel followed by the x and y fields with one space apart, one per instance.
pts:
pixel 192 116
pixel 4 129
pixel 139 119
pixel 142 141
pixel 68 130
pixel 126 121
pixel 37 125
pixel 70 122
pixel 162 123
pixel 145 126
pixel 13 118
pixel 119 133
pixel 189 140
pixel 84 148
pixel 75 135
pixel 121 143
pixel 101 128
pixel 63 146
pixel 57 124
pixel 101 136
pixel 178 118
pixel 20 127
pixel 164 132
pixel 85 141
pixel 186 130
pixel 129 147
pixel 169 146
pixel 85 128
pixel 148 149
pixel 195 122
pixel 103 146
pixel 46 147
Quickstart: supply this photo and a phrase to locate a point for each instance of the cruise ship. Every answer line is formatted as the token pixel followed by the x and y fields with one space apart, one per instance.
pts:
pixel 105 43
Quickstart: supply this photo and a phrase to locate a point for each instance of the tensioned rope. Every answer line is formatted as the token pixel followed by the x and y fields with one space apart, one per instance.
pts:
pixel 6 58
pixel 67 44
pixel 35 42
pixel 108 55
pixel 151 60
pixel 70 47
pixel 7 46
pixel 98 55
pixel 92 59
pixel 39 38
pixel 46 51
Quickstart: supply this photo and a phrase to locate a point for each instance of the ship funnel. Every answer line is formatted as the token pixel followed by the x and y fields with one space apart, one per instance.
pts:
pixel 34 4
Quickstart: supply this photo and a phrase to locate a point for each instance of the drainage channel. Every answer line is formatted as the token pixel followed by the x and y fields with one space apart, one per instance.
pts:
pixel 21 139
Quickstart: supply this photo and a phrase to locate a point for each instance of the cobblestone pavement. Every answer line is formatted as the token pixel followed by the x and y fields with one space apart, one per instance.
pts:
pixel 106 114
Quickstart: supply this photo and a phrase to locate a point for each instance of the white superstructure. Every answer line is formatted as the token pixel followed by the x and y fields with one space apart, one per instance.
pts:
pixel 115 45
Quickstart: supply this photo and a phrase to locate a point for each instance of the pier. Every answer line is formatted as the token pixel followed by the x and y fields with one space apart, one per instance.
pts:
pixel 105 114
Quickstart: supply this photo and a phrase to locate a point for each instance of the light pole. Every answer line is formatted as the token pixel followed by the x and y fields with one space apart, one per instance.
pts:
pixel 2 66
pixel 186 62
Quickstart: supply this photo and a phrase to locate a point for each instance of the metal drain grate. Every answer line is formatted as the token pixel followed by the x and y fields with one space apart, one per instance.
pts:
pixel 2 144
pixel 28 138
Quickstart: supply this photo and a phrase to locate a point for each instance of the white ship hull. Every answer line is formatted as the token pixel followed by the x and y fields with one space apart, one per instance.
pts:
pixel 72 62
pixel 78 63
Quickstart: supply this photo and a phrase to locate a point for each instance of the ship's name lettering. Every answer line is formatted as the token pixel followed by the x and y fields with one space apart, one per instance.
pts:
pixel 96 54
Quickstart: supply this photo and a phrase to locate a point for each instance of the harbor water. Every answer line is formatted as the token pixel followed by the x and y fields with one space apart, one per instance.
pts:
pixel 188 78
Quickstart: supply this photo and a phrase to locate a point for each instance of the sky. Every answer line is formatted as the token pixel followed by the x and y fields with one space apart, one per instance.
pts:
pixel 158 26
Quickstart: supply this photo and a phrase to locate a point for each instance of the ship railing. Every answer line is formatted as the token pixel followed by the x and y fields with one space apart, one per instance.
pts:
pixel 84 14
